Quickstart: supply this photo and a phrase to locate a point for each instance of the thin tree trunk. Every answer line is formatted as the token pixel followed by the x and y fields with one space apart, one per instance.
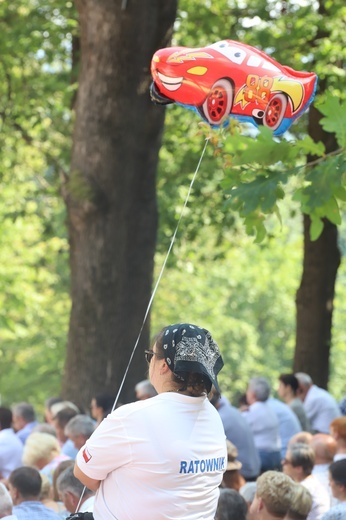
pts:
pixel 111 201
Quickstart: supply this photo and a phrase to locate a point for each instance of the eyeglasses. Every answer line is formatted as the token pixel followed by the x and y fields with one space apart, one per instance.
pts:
pixel 149 354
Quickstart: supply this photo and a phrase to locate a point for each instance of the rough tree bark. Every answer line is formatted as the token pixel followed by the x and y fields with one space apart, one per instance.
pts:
pixel 110 194
pixel 315 296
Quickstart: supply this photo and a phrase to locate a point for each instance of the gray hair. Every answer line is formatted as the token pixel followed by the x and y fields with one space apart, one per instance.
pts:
pixel 260 387
pixel 68 482
pixel 146 388
pixel 5 501
pixel 61 405
pixel 24 410
pixel 80 425
pixel 303 378
pixel 302 455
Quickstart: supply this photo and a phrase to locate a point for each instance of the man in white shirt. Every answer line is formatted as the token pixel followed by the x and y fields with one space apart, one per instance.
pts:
pixel 324 447
pixel 71 491
pixel 298 465
pixel 320 406
pixel 11 448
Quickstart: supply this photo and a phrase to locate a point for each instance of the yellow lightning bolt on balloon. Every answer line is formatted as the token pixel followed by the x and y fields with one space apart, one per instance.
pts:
pixel 240 97
pixel 180 57
pixel 294 89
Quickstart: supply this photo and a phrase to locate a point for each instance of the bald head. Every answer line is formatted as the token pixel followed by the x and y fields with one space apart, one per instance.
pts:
pixel 324 447
pixel 301 437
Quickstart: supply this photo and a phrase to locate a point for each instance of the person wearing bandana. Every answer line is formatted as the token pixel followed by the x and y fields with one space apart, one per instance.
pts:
pixel 164 457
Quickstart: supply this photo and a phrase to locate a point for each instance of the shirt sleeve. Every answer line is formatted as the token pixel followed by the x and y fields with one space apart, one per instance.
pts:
pixel 107 449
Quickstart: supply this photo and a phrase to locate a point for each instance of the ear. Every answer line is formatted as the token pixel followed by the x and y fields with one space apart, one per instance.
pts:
pixel 261 505
pixel 15 495
pixel 70 501
pixel 164 368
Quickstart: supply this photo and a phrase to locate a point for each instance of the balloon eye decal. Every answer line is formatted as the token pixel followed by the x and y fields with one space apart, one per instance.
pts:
pixel 258 113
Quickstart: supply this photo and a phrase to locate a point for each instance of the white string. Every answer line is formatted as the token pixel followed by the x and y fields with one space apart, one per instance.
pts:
pixel 160 274
pixel 154 291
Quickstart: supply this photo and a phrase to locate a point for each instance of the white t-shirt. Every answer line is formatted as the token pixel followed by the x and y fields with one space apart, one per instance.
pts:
pixel 320 498
pixel 87 505
pixel 161 458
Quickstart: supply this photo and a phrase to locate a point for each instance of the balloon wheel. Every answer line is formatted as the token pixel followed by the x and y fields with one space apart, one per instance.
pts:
pixel 218 104
pixel 275 111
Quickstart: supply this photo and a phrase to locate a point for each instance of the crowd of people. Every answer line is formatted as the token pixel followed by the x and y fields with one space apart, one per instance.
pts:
pixel 265 458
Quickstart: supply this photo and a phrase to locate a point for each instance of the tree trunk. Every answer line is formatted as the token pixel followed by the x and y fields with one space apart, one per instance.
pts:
pixel 110 194
pixel 315 296
pixel 315 303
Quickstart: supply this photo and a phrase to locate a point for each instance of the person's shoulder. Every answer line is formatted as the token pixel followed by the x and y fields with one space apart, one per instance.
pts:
pixel 134 407
pixel 337 512
pixel 49 514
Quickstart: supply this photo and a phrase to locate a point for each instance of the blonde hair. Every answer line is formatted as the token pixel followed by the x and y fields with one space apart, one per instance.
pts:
pixel 45 488
pixel 301 503
pixel 276 491
pixel 40 446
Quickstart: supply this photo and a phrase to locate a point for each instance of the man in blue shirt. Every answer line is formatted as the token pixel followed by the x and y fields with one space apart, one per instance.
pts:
pixel 239 433
pixel 25 487
pixel 288 422
pixel 24 420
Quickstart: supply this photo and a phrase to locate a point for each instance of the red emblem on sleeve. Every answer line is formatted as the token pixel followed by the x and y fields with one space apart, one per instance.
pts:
pixel 86 455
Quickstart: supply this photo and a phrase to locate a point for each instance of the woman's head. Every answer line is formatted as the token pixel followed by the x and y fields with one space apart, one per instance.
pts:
pixel 40 449
pixel 337 479
pixel 288 385
pixel 192 356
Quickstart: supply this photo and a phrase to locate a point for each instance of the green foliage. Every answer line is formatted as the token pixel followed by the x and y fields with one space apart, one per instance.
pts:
pixel 245 298
pixel 244 292
pixel 34 154
pixel 258 169
pixel 34 301
pixel 335 116
pixel 262 181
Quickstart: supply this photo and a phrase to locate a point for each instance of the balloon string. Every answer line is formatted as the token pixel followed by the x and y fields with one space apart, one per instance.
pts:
pixel 80 500
pixel 161 273
pixel 154 291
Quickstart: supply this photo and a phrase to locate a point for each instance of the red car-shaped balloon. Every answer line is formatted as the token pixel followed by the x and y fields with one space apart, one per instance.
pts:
pixel 232 79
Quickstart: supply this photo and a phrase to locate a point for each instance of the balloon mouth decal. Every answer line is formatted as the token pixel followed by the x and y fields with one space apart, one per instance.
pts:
pixel 170 83
pixel 229 79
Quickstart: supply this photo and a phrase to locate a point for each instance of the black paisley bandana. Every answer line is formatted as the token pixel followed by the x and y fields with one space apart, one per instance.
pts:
pixel 188 348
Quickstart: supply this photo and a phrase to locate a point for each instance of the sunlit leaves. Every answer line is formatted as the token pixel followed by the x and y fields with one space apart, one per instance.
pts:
pixel 34 148
pixel 257 170
pixel 335 118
